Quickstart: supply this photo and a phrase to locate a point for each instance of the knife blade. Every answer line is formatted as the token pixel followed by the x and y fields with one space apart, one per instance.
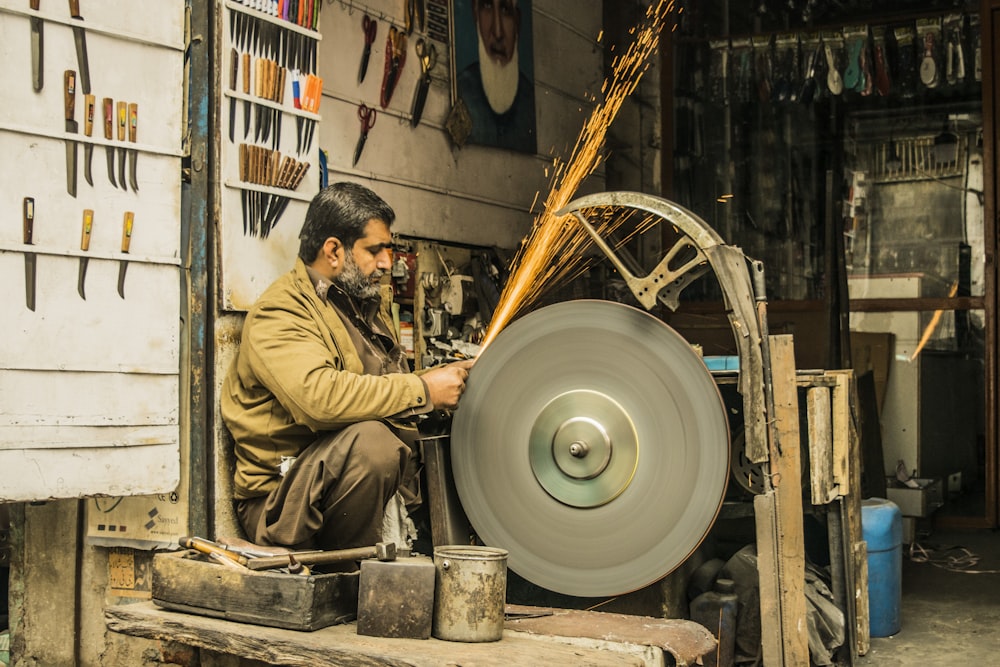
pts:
pixel 69 81
pixel 88 224
pixel 234 59
pixel 88 129
pixel 122 122
pixel 80 39
pixel 419 99
pixel 109 127
pixel 133 153
pixel 29 257
pixel 126 242
pixel 37 49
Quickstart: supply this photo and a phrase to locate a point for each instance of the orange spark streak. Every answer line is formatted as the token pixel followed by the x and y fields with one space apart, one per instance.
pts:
pixel 556 245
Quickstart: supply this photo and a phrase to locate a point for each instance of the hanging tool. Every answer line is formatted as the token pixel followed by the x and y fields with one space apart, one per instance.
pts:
pixel 369 27
pixel 109 124
pixel 427 54
pixel 367 115
pixel 69 81
pixel 30 259
pixel 395 58
pixel 133 153
pixel 37 48
pixel 126 242
pixel 122 123
pixel 80 39
pixel 249 30
pixel 88 224
pixel 415 16
pixel 88 129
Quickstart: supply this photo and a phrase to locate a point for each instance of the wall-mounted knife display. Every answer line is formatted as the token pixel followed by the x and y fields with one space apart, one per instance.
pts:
pixel 127 223
pixel 69 88
pixel 30 258
pixel 88 226
pixel 37 48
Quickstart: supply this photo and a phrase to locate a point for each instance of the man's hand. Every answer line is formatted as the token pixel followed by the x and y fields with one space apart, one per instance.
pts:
pixel 445 384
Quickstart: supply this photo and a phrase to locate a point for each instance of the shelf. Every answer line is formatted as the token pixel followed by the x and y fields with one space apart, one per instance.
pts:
pixel 281 192
pixel 287 25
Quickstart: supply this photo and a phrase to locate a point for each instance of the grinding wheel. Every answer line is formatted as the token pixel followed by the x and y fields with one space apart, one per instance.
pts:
pixel 592 444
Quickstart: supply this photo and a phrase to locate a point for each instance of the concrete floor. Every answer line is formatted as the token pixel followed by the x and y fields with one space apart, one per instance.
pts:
pixel 948 617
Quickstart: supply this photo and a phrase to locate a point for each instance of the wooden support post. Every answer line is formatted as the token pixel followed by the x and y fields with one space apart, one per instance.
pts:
pixel 821 445
pixel 780 540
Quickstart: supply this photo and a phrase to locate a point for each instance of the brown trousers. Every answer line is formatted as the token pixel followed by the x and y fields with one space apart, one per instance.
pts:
pixel 334 494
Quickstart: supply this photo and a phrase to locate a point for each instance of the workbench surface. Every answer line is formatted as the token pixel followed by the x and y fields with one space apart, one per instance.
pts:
pixel 341 645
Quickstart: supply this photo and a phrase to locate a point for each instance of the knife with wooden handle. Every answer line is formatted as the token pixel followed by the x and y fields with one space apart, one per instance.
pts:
pixel 126 242
pixel 88 224
pixel 29 257
pixel 88 129
pixel 69 99
pixel 109 129
pixel 133 153
pixel 122 123
pixel 80 39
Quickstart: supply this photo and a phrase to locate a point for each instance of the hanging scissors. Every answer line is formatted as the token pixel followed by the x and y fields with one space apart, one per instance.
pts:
pixel 367 115
pixel 395 58
pixel 370 27
pixel 427 55
pixel 415 16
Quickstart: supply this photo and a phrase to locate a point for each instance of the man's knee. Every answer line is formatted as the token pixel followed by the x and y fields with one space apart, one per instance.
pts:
pixel 377 446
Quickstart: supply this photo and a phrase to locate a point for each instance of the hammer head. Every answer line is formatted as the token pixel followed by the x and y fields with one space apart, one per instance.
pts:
pixel 385 551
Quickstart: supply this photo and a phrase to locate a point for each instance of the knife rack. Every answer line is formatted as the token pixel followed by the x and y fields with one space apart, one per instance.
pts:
pixel 268 59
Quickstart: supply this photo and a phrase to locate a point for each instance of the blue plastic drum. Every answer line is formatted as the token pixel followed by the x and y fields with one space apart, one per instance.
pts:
pixel 882 528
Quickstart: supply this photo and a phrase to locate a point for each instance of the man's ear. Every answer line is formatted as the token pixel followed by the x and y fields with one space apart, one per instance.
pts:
pixel 331 248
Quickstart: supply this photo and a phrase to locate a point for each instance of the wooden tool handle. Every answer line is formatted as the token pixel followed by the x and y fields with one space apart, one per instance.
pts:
pixel 33 4
pixel 74 8
pixel 122 119
pixel 29 220
pixel 133 121
pixel 69 79
pixel 234 66
pixel 88 114
pixel 127 230
pixel 109 117
pixel 88 224
pixel 246 73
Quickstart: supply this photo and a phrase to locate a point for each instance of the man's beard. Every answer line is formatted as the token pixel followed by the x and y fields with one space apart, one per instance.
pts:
pixel 355 283
pixel 499 80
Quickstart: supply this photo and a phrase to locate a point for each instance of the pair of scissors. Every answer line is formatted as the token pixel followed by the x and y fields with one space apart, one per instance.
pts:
pixel 427 54
pixel 367 115
pixel 370 27
pixel 415 15
pixel 395 58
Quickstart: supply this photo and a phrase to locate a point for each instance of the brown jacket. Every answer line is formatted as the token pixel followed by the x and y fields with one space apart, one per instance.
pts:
pixel 296 375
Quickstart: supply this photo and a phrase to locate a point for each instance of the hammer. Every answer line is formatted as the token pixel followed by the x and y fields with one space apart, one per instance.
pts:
pixel 381 551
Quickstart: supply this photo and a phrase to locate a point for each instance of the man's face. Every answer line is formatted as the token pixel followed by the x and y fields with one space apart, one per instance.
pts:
pixel 367 262
pixel 498 22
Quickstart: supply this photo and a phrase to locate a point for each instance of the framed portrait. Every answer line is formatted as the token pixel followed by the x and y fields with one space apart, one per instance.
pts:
pixel 493 73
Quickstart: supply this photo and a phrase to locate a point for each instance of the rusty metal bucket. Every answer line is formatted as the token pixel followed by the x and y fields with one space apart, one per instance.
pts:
pixel 470 589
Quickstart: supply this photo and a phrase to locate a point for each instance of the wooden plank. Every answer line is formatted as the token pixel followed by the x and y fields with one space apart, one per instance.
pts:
pixel 341 645
pixel 786 478
pixel 821 438
pixel 861 597
pixel 767 575
pixel 843 410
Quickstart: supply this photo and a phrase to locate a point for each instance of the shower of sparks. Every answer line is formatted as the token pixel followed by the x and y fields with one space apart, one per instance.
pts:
pixel 555 248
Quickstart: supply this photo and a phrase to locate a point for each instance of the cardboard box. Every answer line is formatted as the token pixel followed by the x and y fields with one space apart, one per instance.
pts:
pixel 190 582
pixel 919 502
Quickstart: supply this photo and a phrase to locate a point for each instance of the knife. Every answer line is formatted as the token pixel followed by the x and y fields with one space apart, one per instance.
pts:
pixel 29 257
pixel 234 59
pixel 37 49
pixel 88 223
pixel 109 125
pixel 80 39
pixel 69 79
pixel 126 241
pixel 122 121
pixel 88 129
pixel 133 153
